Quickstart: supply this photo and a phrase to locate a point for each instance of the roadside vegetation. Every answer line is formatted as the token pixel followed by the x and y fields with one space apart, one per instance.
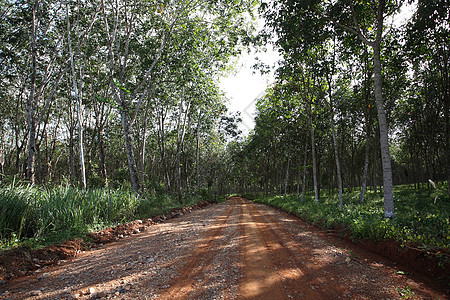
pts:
pixel 420 221
pixel 37 216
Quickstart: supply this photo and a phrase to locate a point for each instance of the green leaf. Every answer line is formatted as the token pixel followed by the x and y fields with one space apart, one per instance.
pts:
pixel 120 86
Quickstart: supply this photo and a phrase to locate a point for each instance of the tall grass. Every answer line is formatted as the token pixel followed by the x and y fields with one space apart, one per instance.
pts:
pixel 41 213
pixel 37 216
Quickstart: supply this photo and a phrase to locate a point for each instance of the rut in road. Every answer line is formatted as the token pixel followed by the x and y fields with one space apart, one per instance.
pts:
pixel 232 250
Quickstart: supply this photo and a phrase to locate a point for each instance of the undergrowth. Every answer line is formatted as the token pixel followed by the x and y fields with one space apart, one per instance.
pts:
pixel 37 216
pixel 418 221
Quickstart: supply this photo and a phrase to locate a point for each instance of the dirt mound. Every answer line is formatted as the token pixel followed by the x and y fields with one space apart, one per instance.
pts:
pixel 20 262
pixel 433 263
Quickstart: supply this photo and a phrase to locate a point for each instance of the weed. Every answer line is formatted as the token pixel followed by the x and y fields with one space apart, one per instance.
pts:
pixel 407 293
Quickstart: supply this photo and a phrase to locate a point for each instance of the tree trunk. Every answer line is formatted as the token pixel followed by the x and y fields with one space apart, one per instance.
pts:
pixel 181 127
pixel 31 105
pixel 287 176
pixel 299 175
pixel 304 174
pixel 366 165
pixel 80 145
pixel 384 139
pixel 446 98
pixel 336 156
pixel 368 116
pixel 197 155
pixel 71 155
pixel 335 144
pixel 2 163
pixel 179 189
pixel 313 153
pixel 77 95
pixel 129 149
pixel 101 148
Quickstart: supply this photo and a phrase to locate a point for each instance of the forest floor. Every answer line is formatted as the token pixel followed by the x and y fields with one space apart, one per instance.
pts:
pixel 233 250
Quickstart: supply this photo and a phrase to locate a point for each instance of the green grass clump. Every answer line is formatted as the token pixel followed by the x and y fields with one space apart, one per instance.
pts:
pixel 418 219
pixel 37 216
pixel 46 215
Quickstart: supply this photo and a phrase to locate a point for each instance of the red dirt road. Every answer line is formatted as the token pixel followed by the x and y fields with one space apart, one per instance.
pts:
pixel 233 250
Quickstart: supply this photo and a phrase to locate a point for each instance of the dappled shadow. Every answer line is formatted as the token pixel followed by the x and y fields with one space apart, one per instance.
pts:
pixel 113 266
pixel 234 249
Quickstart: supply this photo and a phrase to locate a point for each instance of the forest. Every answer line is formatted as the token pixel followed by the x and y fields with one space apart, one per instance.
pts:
pixel 116 105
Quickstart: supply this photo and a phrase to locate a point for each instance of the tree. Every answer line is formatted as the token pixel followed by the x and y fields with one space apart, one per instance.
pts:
pixel 310 21
pixel 427 46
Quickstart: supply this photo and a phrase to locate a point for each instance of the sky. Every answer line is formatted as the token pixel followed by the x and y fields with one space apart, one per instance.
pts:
pixel 247 85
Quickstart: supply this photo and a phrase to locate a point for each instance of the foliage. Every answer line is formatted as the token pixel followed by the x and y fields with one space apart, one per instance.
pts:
pixel 407 293
pixel 44 215
pixel 418 221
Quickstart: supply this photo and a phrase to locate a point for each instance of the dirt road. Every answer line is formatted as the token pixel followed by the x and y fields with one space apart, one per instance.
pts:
pixel 233 250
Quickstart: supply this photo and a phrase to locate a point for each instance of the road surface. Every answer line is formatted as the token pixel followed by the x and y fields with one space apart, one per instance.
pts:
pixel 232 250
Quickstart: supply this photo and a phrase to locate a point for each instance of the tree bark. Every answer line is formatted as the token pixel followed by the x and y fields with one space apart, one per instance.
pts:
pixel 101 148
pixel 335 144
pixel 313 153
pixel 162 146
pixel 368 113
pixel 287 176
pixel 181 126
pixel 336 156
pixel 31 105
pixel 78 96
pixel 129 149
pixel 388 187
pixel 446 98
pixel 197 155
pixel 299 175
pixel 304 174
pixel 366 165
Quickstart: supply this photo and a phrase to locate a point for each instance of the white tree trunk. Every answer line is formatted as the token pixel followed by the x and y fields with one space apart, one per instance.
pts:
pixel 335 145
pixel 313 153
pixel 197 155
pixel 129 149
pixel 77 96
pixel 388 187
pixel 31 106
pixel 338 165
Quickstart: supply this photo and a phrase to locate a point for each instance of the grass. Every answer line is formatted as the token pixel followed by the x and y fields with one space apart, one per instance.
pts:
pixel 418 221
pixel 34 216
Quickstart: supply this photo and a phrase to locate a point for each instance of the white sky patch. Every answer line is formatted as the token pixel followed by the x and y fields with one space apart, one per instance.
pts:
pixel 247 85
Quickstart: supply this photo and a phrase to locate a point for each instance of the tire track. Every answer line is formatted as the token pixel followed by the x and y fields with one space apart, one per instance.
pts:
pixel 235 250
pixel 301 278
pixel 318 262
pixel 260 280
pixel 200 260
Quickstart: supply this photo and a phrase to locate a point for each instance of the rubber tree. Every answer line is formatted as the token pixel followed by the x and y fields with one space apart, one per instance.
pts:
pixel 427 45
pixel 46 67
pixel 164 24
pixel 306 21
